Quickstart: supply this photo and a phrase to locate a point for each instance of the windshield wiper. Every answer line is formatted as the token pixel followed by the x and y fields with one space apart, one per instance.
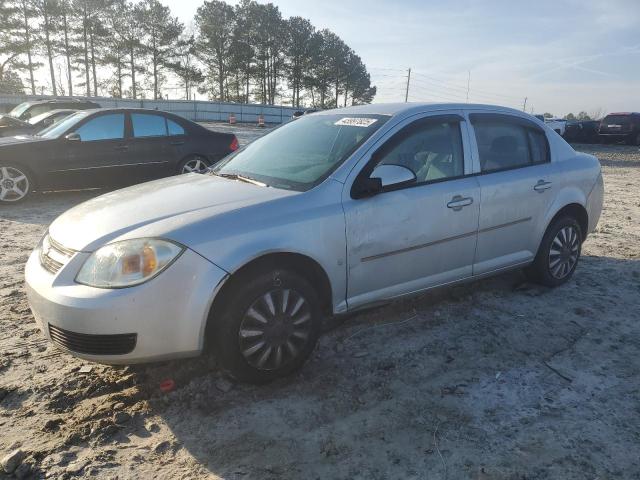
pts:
pixel 241 178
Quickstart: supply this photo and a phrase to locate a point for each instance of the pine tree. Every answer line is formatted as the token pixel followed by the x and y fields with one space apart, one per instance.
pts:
pixel 161 33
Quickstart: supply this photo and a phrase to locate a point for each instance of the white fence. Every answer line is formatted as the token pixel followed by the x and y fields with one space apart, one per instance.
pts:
pixel 196 110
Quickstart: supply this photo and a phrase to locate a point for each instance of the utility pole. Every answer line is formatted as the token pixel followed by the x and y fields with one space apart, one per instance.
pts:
pixel 468 84
pixel 406 93
pixel 524 106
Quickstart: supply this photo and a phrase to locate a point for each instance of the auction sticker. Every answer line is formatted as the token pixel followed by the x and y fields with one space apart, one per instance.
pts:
pixel 356 122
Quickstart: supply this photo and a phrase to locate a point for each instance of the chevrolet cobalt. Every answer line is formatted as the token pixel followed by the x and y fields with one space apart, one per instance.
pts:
pixel 325 215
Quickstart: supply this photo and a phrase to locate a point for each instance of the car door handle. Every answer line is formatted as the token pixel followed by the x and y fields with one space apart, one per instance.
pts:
pixel 178 142
pixel 122 147
pixel 541 186
pixel 458 202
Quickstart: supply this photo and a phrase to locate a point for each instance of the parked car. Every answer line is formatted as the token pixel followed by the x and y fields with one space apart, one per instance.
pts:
pixel 26 110
pixel 34 124
pixel 107 148
pixel 582 131
pixel 334 212
pixel 556 124
pixel 621 127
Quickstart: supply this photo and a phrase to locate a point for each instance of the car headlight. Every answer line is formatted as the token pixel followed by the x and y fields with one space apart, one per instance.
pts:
pixel 128 263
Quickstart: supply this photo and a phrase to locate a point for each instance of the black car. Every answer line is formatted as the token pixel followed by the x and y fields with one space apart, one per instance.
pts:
pixel 107 148
pixel 582 131
pixel 10 126
pixel 26 110
pixel 621 127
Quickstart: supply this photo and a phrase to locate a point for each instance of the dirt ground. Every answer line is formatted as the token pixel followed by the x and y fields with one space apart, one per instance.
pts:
pixel 497 379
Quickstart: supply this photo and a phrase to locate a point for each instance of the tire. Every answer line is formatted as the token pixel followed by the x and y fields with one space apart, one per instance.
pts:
pixel 15 184
pixel 638 139
pixel 194 164
pixel 558 253
pixel 257 340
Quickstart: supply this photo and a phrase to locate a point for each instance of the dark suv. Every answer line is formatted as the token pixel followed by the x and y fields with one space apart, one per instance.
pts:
pixel 617 127
pixel 26 110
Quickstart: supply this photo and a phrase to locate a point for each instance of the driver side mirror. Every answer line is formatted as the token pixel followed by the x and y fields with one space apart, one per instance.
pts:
pixel 73 137
pixel 383 177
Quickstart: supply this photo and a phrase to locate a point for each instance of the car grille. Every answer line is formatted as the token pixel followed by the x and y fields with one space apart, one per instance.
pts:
pixel 93 344
pixel 53 256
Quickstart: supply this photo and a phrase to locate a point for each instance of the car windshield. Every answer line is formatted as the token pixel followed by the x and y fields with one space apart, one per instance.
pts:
pixel 19 109
pixel 57 129
pixel 301 153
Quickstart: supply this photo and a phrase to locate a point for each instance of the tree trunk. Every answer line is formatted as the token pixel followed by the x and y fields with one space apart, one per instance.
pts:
pixel 93 63
pixel 86 49
pixel 47 37
pixel 66 51
pixel 27 38
pixel 133 72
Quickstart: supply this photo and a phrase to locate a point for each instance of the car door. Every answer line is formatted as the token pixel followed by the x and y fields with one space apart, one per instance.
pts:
pixel 423 234
pixel 150 147
pixel 94 154
pixel 516 180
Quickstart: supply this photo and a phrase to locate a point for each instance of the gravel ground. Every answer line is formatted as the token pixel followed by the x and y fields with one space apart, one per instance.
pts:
pixel 497 379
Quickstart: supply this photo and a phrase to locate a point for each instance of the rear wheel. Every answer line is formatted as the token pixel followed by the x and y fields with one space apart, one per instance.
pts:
pixel 194 164
pixel 558 254
pixel 268 326
pixel 15 184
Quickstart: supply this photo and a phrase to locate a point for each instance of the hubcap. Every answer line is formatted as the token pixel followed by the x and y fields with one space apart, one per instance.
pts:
pixel 275 329
pixel 195 165
pixel 564 251
pixel 14 184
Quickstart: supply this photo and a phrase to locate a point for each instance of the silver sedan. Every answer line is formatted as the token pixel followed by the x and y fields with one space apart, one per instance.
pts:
pixel 325 215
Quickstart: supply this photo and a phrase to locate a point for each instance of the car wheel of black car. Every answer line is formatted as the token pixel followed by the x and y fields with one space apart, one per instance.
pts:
pixel 268 326
pixel 558 254
pixel 15 184
pixel 194 164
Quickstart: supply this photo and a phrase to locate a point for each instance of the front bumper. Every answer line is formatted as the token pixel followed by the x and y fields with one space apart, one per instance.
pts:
pixel 167 315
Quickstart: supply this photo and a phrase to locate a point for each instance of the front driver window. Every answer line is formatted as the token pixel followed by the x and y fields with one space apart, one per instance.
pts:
pixel 104 127
pixel 430 148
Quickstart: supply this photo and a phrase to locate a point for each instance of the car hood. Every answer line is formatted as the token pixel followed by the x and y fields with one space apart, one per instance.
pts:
pixel 20 139
pixel 155 209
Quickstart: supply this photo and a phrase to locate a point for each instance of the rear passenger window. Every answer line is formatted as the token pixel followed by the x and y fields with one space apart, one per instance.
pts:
pixel 174 128
pixel 145 125
pixel 501 145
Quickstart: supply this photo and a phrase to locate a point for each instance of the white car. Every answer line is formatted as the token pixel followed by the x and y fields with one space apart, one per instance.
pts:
pixel 558 125
pixel 326 215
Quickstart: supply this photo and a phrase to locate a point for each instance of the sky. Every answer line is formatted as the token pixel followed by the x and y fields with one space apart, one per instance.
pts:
pixel 561 55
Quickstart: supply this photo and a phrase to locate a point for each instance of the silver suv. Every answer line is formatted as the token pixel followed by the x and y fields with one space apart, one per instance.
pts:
pixel 325 215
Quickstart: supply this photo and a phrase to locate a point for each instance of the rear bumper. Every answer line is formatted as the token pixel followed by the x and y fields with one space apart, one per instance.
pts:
pixel 160 319
pixel 617 136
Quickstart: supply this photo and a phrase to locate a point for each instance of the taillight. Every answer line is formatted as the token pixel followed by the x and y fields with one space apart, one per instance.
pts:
pixel 234 144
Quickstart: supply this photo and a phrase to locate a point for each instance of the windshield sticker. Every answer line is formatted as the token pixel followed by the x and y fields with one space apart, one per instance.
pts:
pixel 356 122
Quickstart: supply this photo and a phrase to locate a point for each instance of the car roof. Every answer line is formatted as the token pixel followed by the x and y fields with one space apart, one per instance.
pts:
pixel 406 109
pixel 91 111
pixel 57 100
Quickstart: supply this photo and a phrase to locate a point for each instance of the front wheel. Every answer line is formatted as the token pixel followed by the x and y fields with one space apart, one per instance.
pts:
pixel 15 184
pixel 558 254
pixel 194 164
pixel 268 326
